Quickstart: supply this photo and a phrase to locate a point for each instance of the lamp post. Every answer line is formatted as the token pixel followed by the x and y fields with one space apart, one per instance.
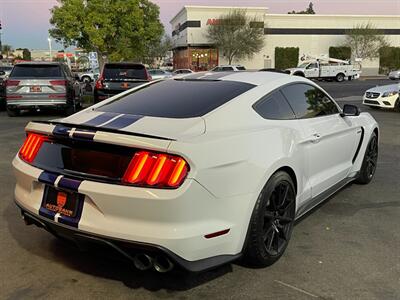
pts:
pixel 49 40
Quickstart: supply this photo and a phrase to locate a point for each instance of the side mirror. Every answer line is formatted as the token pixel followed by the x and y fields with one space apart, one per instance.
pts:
pixel 350 111
pixel 2 73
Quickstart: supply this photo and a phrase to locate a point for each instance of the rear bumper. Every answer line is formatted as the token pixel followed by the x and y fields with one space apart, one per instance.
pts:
pixel 175 221
pixel 40 103
pixel 126 249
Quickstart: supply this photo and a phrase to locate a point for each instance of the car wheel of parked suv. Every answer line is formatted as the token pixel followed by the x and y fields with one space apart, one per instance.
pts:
pixel 272 221
pixel 12 112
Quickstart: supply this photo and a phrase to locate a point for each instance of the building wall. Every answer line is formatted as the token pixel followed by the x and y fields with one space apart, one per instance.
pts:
pixel 310 44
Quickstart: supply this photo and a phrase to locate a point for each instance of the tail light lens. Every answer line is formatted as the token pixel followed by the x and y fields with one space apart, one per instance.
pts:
pixel 99 83
pixel 149 78
pixel 58 82
pixel 12 82
pixel 31 146
pixel 156 170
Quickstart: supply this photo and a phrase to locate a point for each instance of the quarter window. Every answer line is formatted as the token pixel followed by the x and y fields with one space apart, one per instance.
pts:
pixel 274 106
pixel 308 101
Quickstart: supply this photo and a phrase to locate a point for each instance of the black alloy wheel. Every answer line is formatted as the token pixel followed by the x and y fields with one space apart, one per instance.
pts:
pixel 370 161
pixel 278 218
pixel 272 221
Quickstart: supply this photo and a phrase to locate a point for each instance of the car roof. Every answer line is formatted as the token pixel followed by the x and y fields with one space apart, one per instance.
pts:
pixel 55 63
pixel 255 78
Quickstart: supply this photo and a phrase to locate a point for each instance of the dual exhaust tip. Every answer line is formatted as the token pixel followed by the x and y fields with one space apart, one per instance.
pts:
pixel 145 262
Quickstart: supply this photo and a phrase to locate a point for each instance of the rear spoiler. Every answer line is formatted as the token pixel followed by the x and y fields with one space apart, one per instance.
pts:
pixel 61 130
pixel 93 128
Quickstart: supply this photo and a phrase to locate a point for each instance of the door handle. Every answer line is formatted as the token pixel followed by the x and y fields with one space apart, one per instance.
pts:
pixel 315 138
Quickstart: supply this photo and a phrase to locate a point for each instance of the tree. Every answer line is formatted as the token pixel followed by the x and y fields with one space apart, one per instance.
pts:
pixel 236 35
pixel 116 29
pixel 157 51
pixel 6 49
pixel 365 41
pixel 308 11
pixel 26 54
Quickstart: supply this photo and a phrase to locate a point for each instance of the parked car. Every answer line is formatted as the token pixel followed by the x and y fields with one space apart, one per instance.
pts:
pixel 119 77
pixel 89 75
pixel 385 96
pixel 394 75
pixel 38 85
pixel 274 70
pixel 159 74
pixel 182 71
pixel 227 68
pixel 2 94
pixel 162 175
pixel 5 71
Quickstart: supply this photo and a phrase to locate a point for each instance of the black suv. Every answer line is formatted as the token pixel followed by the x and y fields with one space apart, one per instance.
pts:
pixel 118 77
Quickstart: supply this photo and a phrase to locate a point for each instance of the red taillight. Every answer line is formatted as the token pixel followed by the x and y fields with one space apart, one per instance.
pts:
pixel 156 170
pixel 31 146
pixel 148 76
pixel 99 83
pixel 12 82
pixel 58 82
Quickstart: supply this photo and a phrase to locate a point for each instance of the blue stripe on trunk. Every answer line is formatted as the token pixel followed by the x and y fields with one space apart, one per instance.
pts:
pixel 122 122
pixel 69 184
pixel 104 117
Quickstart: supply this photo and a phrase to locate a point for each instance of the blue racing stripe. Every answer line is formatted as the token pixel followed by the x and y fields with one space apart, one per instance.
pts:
pixel 122 122
pixel 47 177
pixel 104 117
pixel 69 184
pixel 61 130
pixel 83 134
pixel 75 220
pixel 47 213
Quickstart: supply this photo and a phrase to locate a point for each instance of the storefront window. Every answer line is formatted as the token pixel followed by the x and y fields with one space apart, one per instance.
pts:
pixel 197 59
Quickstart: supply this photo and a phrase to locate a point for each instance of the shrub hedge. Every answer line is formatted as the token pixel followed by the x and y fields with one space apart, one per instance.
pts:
pixel 286 57
pixel 389 59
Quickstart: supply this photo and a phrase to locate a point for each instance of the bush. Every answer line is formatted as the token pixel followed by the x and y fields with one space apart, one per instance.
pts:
pixel 389 59
pixel 286 57
pixel 340 52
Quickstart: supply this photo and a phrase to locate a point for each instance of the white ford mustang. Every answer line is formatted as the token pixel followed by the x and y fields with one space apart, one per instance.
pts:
pixel 196 171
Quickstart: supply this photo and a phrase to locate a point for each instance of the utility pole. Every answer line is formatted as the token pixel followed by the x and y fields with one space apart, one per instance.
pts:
pixel 1 47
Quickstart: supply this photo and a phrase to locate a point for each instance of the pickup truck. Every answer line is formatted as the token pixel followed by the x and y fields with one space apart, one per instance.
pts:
pixel 319 70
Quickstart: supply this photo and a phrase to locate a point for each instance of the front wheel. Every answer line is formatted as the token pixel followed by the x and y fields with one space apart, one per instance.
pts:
pixel 397 105
pixel 272 221
pixel 370 161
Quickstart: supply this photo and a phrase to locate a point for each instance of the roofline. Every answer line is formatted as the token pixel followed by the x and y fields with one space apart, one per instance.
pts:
pixel 216 7
pixel 330 15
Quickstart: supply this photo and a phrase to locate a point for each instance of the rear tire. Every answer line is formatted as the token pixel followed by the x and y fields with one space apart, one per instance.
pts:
pixel 340 77
pixel 272 221
pixel 370 160
pixel 13 112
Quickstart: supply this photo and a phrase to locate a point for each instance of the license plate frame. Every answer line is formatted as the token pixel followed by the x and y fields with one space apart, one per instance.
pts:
pixel 65 203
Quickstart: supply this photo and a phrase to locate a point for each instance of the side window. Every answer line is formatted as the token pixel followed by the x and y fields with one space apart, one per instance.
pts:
pixel 274 106
pixel 308 101
pixel 312 66
pixel 227 69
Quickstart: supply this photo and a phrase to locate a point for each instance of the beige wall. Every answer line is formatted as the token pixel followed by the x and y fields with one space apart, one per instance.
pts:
pixel 308 44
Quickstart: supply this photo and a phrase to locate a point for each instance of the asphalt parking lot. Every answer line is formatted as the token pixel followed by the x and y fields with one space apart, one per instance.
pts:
pixel 347 248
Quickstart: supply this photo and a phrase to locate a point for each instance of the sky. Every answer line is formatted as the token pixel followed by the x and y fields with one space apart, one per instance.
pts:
pixel 26 22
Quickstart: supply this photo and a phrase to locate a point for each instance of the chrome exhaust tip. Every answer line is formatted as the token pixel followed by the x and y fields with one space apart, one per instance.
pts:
pixel 162 264
pixel 142 261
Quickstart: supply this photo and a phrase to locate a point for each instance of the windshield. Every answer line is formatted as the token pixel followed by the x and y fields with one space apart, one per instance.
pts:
pixel 121 71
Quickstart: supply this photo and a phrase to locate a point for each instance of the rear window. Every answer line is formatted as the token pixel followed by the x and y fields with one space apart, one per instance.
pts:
pixel 119 71
pixel 36 71
pixel 241 68
pixel 178 98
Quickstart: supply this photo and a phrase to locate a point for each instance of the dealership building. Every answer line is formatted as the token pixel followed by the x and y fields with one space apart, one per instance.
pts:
pixel 312 34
